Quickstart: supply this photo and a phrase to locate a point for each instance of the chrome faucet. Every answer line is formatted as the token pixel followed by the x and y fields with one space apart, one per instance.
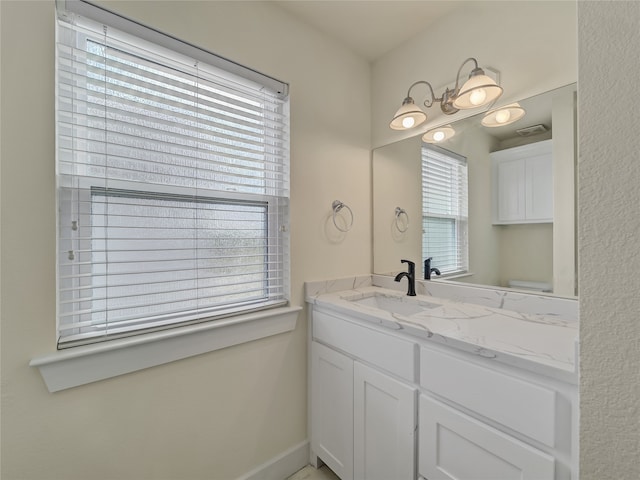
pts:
pixel 411 277
pixel 428 269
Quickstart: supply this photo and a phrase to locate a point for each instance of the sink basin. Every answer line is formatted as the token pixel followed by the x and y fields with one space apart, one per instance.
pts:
pixel 398 305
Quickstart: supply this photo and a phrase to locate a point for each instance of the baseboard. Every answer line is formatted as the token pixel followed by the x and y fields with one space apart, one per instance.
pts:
pixel 281 466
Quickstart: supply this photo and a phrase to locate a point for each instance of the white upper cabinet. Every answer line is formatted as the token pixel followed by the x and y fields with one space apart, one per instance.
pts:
pixel 523 184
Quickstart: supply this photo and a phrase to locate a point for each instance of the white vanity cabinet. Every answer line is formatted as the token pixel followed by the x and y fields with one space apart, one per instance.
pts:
pixel 523 184
pixel 482 422
pixel 363 417
pixel 387 405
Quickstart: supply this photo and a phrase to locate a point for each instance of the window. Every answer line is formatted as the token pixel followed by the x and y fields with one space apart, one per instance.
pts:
pixel 444 209
pixel 173 184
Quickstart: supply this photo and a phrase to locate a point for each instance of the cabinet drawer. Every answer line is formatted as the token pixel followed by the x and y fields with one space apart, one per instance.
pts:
pixel 383 350
pixel 522 406
pixel 455 446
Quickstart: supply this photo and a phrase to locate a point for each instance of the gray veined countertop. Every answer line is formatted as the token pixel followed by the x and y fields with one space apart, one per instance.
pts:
pixel 545 344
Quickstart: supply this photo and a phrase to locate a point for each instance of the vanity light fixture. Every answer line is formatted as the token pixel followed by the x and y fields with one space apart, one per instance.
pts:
pixel 503 115
pixel 440 134
pixel 479 90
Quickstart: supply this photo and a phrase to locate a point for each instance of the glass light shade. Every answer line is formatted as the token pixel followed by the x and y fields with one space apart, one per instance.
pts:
pixel 476 92
pixel 503 116
pixel 408 116
pixel 438 135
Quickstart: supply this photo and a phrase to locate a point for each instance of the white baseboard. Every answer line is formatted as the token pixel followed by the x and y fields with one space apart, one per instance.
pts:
pixel 281 466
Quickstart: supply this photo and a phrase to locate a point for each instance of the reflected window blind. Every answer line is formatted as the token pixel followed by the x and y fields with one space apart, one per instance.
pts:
pixel 173 188
pixel 444 209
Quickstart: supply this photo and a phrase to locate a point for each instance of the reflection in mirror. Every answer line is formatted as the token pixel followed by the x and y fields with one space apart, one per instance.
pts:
pixel 528 249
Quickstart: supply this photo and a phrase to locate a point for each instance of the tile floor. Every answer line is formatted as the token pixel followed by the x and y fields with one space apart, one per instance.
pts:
pixel 310 473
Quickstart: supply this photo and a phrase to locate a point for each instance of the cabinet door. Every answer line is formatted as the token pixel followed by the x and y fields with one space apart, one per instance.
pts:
pixel 332 409
pixel 384 426
pixel 523 184
pixel 456 446
pixel 511 190
pixel 539 188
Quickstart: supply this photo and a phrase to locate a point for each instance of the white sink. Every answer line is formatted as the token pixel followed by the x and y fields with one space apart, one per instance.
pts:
pixel 405 306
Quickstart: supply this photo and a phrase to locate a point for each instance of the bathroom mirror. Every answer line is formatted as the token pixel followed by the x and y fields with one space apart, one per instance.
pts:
pixel 542 255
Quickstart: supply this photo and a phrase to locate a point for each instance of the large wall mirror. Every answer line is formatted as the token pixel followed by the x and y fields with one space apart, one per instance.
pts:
pixel 520 253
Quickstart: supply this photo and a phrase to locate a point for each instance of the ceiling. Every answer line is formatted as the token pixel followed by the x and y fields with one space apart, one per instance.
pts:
pixel 370 27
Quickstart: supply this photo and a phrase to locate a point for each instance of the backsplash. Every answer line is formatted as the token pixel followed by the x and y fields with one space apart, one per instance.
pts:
pixel 313 289
pixel 530 303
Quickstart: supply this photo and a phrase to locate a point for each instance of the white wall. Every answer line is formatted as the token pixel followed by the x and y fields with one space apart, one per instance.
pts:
pixel 484 246
pixel 397 182
pixel 564 192
pixel 526 253
pixel 215 416
pixel 608 232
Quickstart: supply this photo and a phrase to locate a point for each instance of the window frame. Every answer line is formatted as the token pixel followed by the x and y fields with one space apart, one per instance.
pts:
pixel 275 230
pixel 457 216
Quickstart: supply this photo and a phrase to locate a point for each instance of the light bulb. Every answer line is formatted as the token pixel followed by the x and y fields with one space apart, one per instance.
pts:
pixel 478 96
pixel 408 122
pixel 438 136
pixel 503 116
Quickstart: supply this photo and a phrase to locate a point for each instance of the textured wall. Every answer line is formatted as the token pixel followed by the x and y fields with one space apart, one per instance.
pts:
pixel 609 238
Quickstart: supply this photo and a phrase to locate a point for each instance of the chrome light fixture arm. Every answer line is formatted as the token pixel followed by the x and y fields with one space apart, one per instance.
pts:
pixel 428 101
pixel 475 70
pixel 449 95
pixel 446 100
pixel 477 91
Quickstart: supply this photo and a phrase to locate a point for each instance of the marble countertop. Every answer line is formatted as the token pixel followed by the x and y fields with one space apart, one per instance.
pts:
pixel 545 344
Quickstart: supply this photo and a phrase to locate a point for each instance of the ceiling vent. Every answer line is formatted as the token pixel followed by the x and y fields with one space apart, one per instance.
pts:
pixel 532 130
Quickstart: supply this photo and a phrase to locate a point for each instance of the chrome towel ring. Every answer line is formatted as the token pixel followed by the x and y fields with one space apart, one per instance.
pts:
pixel 400 212
pixel 337 205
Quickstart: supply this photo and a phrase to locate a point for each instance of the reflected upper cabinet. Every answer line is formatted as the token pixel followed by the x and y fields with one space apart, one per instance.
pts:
pixel 523 184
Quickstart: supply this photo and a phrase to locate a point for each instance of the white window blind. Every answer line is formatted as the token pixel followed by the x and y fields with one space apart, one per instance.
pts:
pixel 173 187
pixel 444 209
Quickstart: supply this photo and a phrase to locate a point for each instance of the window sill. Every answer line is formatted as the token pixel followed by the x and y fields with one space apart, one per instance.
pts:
pixel 81 365
pixel 454 276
